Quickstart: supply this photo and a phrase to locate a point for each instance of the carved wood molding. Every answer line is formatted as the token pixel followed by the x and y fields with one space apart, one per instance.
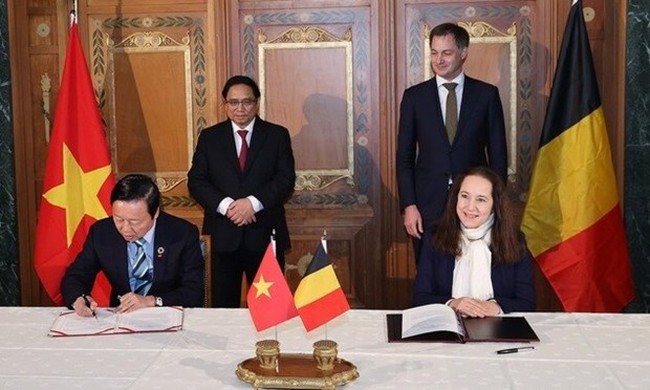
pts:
pixel 312 37
pixel 146 35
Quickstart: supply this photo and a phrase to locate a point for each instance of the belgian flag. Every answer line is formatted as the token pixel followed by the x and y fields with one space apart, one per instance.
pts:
pixel 319 297
pixel 572 220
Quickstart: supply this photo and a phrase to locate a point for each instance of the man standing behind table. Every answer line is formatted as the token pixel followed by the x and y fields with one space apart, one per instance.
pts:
pixel 242 173
pixel 436 142
pixel 150 258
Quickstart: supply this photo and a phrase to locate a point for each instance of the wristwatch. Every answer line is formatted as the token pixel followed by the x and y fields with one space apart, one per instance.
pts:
pixel 159 301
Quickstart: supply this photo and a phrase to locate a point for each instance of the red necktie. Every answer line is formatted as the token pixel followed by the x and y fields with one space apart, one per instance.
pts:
pixel 243 152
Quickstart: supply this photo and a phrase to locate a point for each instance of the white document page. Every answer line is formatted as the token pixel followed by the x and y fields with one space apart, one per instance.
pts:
pixel 429 318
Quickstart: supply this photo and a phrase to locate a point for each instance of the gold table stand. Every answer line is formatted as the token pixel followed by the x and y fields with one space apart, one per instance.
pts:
pixel 320 370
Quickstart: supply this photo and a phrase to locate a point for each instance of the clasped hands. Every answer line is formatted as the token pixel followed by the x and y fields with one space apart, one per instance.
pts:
pixel 241 212
pixel 470 307
pixel 128 302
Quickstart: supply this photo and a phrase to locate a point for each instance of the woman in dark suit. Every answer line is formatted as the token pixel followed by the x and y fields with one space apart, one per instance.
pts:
pixel 477 261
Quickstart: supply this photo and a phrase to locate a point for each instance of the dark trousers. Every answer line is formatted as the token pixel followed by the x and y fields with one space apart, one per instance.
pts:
pixel 417 243
pixel 227 271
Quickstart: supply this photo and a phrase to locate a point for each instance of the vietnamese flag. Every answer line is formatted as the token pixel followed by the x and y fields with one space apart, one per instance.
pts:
pixel 572 220
pixel 269 298
pixel 77 180
pixel 319 297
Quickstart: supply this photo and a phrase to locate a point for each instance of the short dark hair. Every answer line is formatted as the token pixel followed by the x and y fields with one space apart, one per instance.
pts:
pixel 136 187
pixel 240 79
pixel 460 34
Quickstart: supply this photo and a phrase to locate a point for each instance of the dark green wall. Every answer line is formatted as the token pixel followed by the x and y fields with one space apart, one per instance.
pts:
pixel 9 286
pixel 637 148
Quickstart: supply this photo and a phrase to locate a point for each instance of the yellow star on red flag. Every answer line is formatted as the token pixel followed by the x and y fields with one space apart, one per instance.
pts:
pixel 77 177
pixel 273 310
pixel 262 287
pixel 78 192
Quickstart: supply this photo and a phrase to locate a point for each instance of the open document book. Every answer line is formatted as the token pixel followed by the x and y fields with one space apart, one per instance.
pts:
pixel 107 321
pixel 438 322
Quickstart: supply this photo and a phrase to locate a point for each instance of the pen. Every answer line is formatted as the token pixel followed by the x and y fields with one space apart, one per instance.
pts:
pixel 85 297
pixel 514 350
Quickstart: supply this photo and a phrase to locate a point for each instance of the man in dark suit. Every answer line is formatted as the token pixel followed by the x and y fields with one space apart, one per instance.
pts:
pixel 150 258
pixel 431 148
pixel 242 173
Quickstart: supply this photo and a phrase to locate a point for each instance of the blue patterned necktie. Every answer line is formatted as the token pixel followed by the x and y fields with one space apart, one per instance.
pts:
pixel 141 268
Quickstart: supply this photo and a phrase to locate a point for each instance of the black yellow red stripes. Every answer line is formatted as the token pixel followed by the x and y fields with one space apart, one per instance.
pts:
pixel 572 220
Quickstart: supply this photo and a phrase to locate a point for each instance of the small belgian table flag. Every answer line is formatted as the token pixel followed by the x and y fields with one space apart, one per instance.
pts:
pixel 319 297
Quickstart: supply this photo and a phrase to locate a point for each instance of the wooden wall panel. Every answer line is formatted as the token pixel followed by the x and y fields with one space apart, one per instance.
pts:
pixel 151 74
pixel 327 95
pixel 333 104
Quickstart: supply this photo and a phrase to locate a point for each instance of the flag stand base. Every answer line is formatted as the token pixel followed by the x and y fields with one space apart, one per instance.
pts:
pixel 320 370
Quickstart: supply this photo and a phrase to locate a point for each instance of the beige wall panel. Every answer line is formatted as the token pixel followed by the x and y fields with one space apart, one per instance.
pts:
pixel 151 121
pixel 153 78
pixel 306 90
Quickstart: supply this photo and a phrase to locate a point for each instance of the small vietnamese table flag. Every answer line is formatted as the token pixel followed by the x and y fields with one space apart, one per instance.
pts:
pixel 77 179
pixel 319 297
pixel 269 298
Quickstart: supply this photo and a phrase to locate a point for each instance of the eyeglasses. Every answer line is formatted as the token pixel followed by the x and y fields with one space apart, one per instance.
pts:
pixel 247 103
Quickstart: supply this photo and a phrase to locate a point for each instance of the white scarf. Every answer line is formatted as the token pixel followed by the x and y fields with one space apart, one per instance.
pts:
pixel 473 269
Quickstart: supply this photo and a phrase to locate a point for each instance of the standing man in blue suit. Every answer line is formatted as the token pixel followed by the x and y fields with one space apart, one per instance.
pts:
pixel 431 148
pixel 242 173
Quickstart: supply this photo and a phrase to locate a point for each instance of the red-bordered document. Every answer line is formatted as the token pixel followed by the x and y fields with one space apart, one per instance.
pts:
pixel 107 321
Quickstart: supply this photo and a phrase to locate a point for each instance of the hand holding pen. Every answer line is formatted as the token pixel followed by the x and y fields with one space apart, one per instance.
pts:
pixel 86 307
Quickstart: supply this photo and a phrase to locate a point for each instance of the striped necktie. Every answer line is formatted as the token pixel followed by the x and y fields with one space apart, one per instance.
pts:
pixel 141 271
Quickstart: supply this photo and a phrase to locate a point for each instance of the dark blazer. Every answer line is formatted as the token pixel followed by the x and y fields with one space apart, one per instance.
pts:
pixel 423 175
pixel 178 266
pixel 512 284
pixel 269 175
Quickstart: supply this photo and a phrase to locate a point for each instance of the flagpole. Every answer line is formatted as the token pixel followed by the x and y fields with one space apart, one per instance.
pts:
pixel 323 241
pixel 73 13
pixel 275 328
pixel 275 253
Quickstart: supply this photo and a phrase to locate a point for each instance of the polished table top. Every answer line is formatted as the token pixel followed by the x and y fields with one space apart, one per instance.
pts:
pixel 600 351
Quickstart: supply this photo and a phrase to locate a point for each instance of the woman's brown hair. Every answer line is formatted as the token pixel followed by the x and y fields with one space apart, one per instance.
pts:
pixel 507 243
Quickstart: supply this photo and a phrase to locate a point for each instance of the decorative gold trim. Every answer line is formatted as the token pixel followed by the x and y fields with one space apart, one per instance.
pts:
pixel 295 371
pixel 154 42
pixel 167 183
pixel 46 88
pixel 306 34
pixel 310 37
pixel 318 179
pixel 482 32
